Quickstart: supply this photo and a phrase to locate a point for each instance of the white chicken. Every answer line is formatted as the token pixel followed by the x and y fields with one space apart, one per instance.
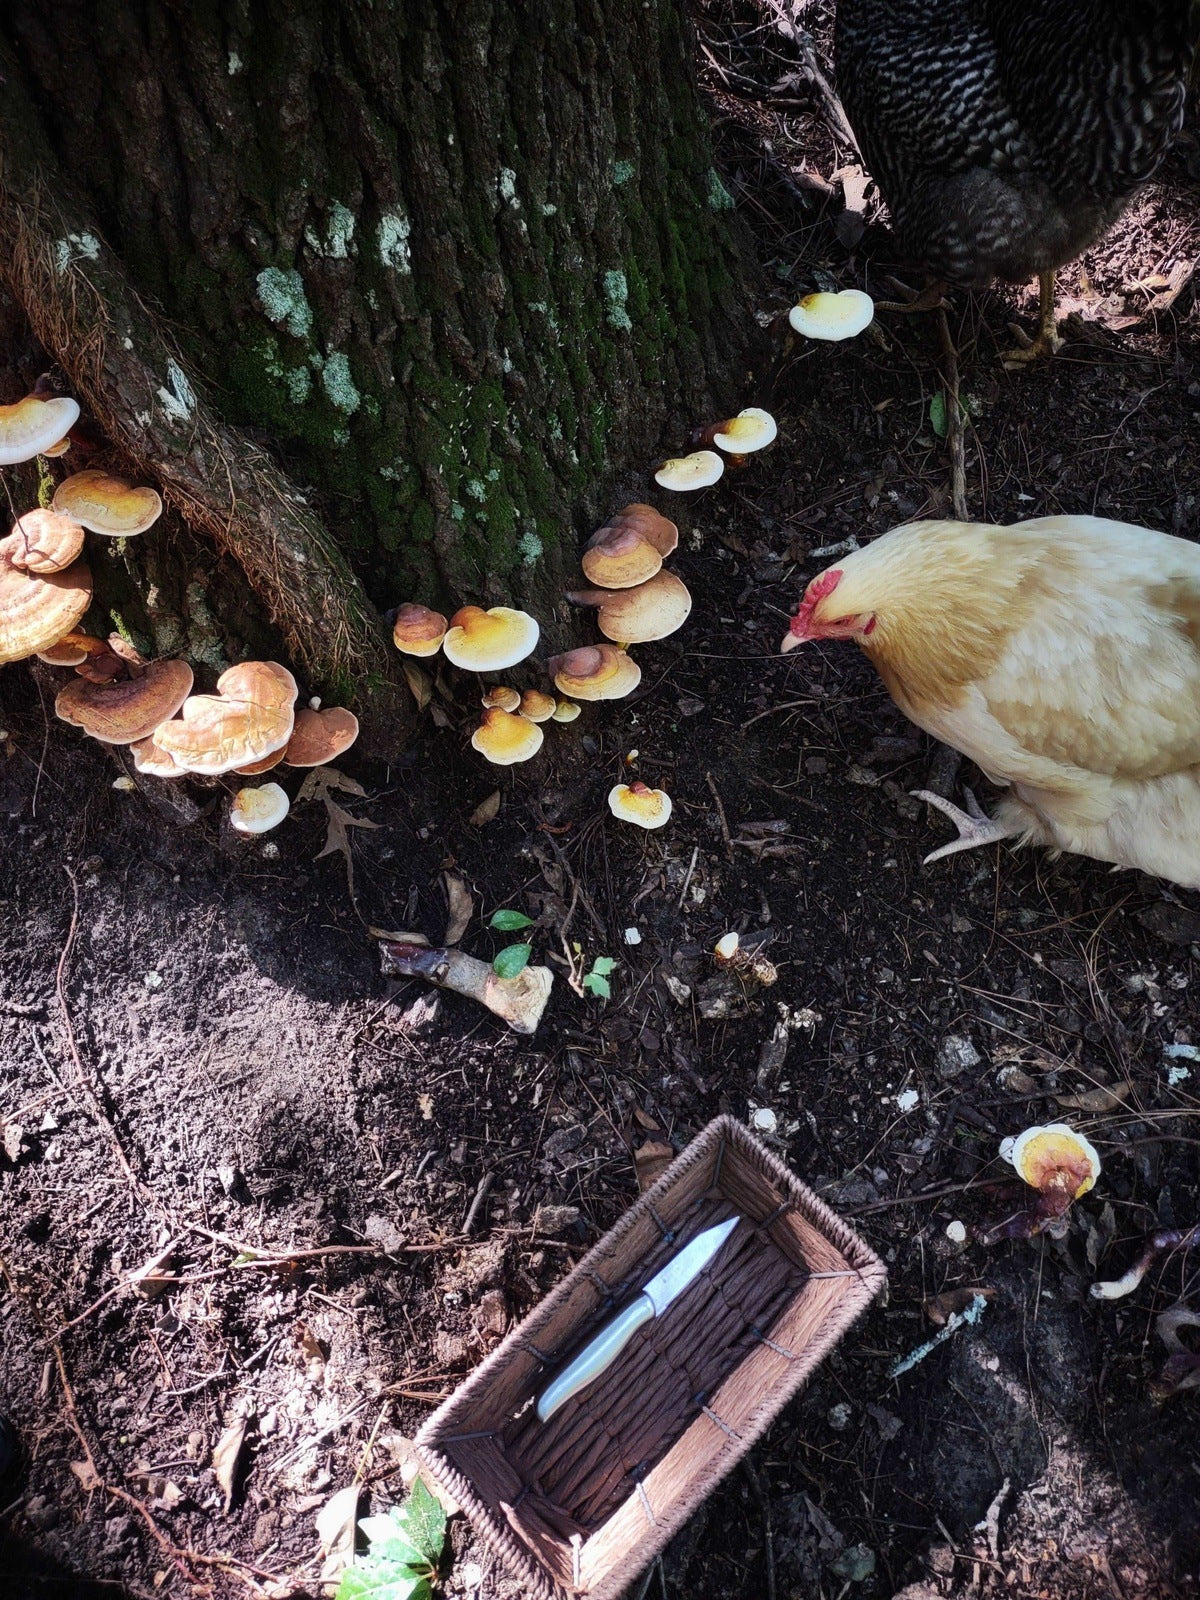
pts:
pixel 1061 654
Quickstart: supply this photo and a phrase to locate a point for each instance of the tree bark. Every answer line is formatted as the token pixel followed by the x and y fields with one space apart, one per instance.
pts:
pixel 457 266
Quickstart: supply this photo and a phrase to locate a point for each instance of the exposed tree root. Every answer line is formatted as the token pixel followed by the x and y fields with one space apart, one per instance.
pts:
pixel 125 368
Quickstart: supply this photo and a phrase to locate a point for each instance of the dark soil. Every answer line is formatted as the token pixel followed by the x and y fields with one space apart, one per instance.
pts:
pixel 197 1048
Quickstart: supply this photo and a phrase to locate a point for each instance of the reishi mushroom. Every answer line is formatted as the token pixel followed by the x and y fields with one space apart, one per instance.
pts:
pixel 501 698
pixel 639 804
pixel 629 548
pixel 490 641
pixel 565 711
pixel 33 425
pixel 250 716
pixel 418 631
pixel 650 611
pixel 43 541
pixel 504 738
pixel 595 672
pixel 259 809
pixel 129 708
pixel 149 757
pixel 39 609
pixel 538 707
pixel 833 316
pixel 319 737
pixel 698 470
pixel 752 429
pixel 107 504
pixel 1054 1159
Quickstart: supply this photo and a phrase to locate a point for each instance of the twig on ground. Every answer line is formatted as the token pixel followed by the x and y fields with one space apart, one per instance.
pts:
pixel 954 427
pixel 476 1206
pixel 721 817
pixel 768 1526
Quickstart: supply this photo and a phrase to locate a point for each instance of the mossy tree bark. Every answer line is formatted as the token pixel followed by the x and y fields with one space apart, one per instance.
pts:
pixel 459 266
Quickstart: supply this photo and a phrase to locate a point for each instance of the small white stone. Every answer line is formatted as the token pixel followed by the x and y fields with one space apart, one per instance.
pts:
pixel 633 936
pixel 124 784
pixel 956 1232
pixel 471 1574
pixel 763 1120
pixel 153 980
pixel 270 852
pixel 908 1100
pixel 840 1416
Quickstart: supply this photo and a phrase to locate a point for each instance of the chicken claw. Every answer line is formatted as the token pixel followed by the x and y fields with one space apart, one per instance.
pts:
pixel 974 826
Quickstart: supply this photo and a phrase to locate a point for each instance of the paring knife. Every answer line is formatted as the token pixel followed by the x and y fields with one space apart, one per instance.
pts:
pixel 654 1299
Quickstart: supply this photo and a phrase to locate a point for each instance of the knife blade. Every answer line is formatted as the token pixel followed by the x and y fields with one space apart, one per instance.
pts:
pixel 665 1286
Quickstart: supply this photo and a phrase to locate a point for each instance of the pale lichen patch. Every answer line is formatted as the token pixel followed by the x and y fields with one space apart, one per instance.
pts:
pixel 339 385
pixel 616 294
pixel 530 548
pixel 282 297
pixel 339 233
pixel 719 197
pixel 75 247
pixel 392 235
pixel 177 397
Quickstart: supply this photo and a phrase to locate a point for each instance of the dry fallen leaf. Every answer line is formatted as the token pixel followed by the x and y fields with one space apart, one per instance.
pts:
pixel 225 1457
pixel 317 786
pixel 939 1308
pixel 461 904
pixel 335 1529
pixel 419 682
pixel 153 1276
pixel 650 1161
pixel 1103 1098
pixel 486 811
pixel 87 1475
pixel 14 1135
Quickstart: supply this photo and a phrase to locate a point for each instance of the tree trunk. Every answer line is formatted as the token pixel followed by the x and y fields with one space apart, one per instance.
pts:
pixel 457 267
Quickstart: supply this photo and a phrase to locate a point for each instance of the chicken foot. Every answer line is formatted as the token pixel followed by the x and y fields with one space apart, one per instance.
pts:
pixel 974 826
pixel 1046 341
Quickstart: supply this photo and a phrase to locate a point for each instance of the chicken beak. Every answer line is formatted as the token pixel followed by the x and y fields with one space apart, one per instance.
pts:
pixel 790 642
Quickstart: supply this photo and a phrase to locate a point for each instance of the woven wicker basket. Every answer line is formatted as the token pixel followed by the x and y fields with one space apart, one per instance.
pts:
pixel 579 1505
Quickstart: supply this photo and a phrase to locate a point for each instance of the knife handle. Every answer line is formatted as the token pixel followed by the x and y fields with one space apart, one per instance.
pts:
pixel 595 1357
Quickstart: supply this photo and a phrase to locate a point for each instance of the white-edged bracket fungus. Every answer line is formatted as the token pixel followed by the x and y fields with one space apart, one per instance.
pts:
pixel 501 698
pixel 490 641
pixel 250 716
pixel 69 651
pixel 33 426
pixel 39 609
pixel 42 541
pixel 629 548
pixel 696 471
pixel 595 672
pixel 319 737
pixel 504 738
pixel 255 769
pixel 108 505
pixel 833 317
pixel 639 804
pixel 538 707
pixel 565 711
pixel 150 758
pixel 128 709
pixel 650 611
pixel 752 429
pixel 418 631
pixel 259 809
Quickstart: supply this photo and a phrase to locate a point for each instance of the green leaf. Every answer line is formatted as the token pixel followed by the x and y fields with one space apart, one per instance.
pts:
pixel 425 1522
pixel 603 965
pixel 595 984
pixel 510 921
pixel 937 414
pixel 512 960
pixel 405 1548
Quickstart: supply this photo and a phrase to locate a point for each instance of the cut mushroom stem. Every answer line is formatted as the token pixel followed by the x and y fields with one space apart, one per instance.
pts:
pixel 1164 1239
pixel 518 1001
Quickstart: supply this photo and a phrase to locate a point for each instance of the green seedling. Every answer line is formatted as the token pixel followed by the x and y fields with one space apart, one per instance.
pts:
pixel 405 1551
pixel 596 981
pixel 514 958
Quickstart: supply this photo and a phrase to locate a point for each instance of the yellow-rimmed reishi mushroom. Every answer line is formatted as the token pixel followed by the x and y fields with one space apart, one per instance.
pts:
pixel 106 504
pixel 39 609
pixel 149 758
pixel 595 672
pixel 1054 1159
pixel 59 449
pixel 637 803
pixel 418 631
pixel 565 711
pixel 647 612
pixel 42 541
pixel 70 650
pixel 696 471
pixel 538 707
pixel 250 716
pixel 320 736
pixel 33 425
pixel 752 429
pixel 629 548
pixel 129 708
pixel 259 809
pixel 490 641
pixel 833 316
pixel 504 738
pixel 501 698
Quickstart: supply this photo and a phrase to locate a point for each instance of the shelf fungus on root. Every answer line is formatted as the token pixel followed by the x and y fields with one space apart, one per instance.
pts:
pixel 418 631
pixel 107 504
pixel 750 964
pixel 751 430
pixel 641 615
pixel 518 1001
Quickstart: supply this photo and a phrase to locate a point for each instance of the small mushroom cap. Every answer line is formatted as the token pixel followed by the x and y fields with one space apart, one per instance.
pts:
pixel 255 769
pixel 634 802
pixel 650 611
pixel 697 471
pixel 645 521
pixel 418 631
pixel 565 711
pixel 504 739
pixel 538 707
pixel 320 736
pixel 501 698
pixel 1054 1157
pixel 490 641
pixel 59 449
pixel 39 609
pixel 620 559
pixel 33 425
pixel 250 716
pixel 833 316
pixel 595 672
pixel 259 809
pixel 727 947
pixel 69 651
pixel 42 541
pixel 130 708
pixel 752 429
pixel 150 758
pixel 106 504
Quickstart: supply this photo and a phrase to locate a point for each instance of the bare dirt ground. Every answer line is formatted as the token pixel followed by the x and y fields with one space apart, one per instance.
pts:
pixel 197 1048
